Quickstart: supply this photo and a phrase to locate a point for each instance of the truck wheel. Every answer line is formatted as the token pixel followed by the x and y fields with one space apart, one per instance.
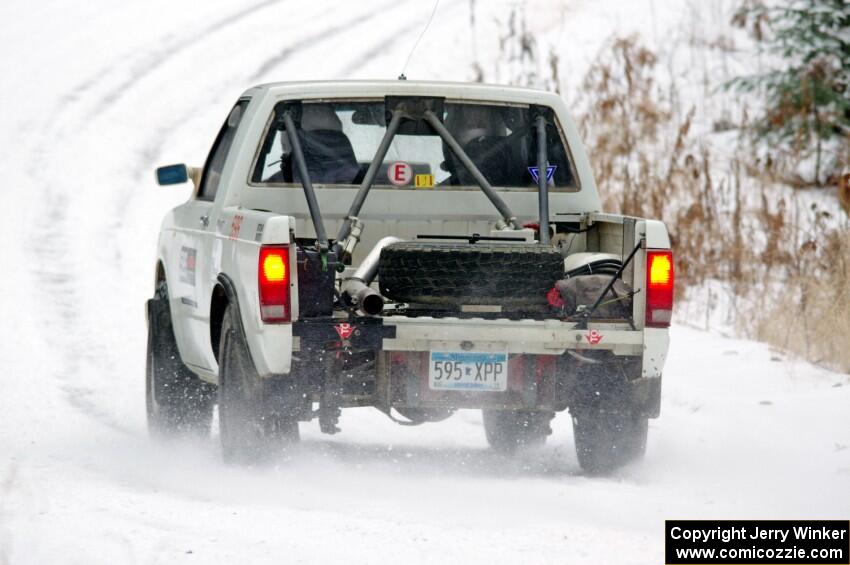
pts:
pixel 479 273
pixel 605 441
pixel 509 430
pixel 177 400
pixel 256 416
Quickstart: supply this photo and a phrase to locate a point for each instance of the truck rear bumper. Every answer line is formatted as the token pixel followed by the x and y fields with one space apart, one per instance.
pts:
pixel 533 337
pixel 535 348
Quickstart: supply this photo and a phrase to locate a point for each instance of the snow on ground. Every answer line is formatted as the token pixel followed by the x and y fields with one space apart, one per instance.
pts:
pixel 97 94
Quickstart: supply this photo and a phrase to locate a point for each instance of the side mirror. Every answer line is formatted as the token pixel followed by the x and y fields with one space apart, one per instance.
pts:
pixel 172 174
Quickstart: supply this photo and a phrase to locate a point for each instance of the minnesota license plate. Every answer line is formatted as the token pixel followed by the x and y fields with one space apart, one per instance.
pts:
pixel 468 370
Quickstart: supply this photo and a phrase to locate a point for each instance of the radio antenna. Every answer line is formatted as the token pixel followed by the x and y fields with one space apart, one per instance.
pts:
pixel 418 39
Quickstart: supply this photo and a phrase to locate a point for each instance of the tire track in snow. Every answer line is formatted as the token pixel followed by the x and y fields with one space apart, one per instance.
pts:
pixel 321 37
pixel 54 271
pixel 381 48
pixel 55 275
pixel 149 154
pixel 147 62
pixel 153 60
pixel 7 484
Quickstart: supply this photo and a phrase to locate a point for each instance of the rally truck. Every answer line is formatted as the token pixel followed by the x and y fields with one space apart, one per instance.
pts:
pixel 416 247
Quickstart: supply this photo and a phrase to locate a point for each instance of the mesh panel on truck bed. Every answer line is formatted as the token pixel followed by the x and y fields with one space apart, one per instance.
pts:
pixel 461 273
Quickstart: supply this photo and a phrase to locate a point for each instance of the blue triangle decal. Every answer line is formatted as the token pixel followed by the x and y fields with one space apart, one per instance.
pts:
pixel 550 172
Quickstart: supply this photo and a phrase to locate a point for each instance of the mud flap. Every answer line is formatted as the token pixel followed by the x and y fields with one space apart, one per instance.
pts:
pixel 646 396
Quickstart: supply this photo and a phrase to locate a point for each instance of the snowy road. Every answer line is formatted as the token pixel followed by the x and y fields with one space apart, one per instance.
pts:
pixel 94 96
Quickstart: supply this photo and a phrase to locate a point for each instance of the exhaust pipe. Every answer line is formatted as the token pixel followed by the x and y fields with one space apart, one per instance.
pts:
pixel 356 290
pixel 365 298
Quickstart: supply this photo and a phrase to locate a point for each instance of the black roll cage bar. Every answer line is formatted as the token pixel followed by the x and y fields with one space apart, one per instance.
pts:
pixel 416 109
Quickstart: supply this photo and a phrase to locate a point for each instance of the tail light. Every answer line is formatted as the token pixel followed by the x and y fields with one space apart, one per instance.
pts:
pixel 274 278
pixel 659 288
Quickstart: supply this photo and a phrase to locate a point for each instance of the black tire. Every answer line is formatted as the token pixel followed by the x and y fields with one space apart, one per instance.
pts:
pixel 606 441
pixel 509 430
pixel 481 273
pixel 177 400
pixel 257 417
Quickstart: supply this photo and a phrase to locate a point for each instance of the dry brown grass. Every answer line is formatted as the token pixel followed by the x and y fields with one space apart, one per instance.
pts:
pixel 844 192
pixel 646 159
pixel 727 218
pixel 809 313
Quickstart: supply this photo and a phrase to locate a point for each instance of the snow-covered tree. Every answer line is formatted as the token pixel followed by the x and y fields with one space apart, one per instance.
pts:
pixel 806 86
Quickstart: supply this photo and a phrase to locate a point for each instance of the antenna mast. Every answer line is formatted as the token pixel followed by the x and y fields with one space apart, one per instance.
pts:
pixel 418 39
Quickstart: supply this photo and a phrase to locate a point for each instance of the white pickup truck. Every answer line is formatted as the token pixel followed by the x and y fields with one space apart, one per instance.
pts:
pixel 417 247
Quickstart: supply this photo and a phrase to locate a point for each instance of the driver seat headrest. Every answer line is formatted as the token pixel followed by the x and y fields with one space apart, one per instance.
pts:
pixel 319 117
pixel 472 122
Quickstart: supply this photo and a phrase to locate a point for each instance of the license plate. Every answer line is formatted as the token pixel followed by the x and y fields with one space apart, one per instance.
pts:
pixel 468 370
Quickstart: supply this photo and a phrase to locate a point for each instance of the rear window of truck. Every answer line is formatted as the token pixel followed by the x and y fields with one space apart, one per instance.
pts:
pixel 339 139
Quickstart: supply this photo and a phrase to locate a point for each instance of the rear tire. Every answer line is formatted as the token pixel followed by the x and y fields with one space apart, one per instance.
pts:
pixel 606 441
pixel 510 430
pixel 257 416
pixel 177 400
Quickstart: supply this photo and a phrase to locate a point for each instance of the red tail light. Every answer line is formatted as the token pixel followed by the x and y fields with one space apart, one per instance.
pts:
pixel 659 288
pixel 274 277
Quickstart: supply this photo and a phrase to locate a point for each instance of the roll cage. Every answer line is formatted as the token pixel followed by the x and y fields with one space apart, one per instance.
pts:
pixel 419 114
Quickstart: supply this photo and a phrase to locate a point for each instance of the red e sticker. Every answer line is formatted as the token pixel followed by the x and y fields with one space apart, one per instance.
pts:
pixel 400 173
